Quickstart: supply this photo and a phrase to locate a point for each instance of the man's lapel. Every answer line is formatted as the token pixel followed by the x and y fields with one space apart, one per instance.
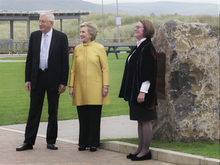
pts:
pixel 53 42
pixel 39 43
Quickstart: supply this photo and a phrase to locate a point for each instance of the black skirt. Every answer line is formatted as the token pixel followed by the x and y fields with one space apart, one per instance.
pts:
pixel 140 113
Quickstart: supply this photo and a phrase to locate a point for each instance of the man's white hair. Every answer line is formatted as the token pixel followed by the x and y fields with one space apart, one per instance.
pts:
pixel 49 15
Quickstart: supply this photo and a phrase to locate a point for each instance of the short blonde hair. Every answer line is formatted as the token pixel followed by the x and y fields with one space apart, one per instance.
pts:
pixel 92 29
pixel 149 29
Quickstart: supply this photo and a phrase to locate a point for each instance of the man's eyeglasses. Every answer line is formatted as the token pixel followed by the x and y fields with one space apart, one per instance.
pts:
pixel 43 21
pixel 138 27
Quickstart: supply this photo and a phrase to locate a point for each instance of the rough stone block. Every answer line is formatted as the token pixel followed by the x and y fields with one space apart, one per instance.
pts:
pixel 190 111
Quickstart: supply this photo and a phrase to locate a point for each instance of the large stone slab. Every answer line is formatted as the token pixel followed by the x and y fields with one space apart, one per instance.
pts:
pixel 190 111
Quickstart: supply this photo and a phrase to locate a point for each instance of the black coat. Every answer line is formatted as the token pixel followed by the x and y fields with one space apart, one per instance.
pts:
pixel 58 60
pixel 141 67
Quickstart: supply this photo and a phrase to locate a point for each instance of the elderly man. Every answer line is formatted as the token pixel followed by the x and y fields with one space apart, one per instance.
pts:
pixel 47 68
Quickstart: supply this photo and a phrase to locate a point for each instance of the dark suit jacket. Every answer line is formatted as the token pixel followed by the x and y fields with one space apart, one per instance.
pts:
pixel 58 60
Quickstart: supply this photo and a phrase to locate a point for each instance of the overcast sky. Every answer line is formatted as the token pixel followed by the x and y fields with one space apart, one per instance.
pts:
pixel 141 1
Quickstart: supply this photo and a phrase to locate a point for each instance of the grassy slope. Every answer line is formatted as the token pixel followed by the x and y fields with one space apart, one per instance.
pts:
pixel 70 27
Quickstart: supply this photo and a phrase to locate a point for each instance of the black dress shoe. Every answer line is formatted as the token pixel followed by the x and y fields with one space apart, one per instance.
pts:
pixel 52 146
pixel 145 157
pixel 81 148
pixel 25 146
pixel 93 149
pixel 131 156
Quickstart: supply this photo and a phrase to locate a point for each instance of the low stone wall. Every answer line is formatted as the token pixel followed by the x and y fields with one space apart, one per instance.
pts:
pixel 190 111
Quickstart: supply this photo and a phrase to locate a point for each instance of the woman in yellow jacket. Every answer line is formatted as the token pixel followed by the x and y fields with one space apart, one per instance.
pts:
pixel 89 82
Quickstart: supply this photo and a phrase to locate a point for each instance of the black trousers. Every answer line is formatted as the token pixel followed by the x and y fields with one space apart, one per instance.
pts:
pixel 36 105
pixel 89 125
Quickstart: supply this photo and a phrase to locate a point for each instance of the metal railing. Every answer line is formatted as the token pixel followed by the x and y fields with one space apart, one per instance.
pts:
pixel 21 45
pixel 6 44
pixel 74 42
pixel 115 40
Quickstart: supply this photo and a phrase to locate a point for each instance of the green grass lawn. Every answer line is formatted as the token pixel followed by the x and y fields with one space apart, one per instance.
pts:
pixel 14 105
pixel 14 98
pixel 13 58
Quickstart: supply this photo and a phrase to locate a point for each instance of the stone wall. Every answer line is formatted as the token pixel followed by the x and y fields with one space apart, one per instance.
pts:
pixel 190 111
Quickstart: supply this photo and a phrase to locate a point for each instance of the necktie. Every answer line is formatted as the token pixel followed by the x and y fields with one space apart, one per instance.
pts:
pixel 43 55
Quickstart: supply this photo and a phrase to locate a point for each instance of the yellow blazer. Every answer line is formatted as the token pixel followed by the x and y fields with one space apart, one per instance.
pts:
pixel 88 74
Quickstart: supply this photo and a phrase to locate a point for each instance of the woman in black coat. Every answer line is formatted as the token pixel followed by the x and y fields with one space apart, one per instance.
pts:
pixel 139 87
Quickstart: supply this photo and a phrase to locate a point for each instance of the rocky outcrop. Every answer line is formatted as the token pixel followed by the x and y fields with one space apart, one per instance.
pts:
pixel 190 111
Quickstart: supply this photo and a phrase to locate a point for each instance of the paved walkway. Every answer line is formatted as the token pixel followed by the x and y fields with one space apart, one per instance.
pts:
pixel 111 127
pixel 12 55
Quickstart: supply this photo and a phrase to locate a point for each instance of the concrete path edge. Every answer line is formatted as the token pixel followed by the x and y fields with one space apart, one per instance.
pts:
pixel 161 154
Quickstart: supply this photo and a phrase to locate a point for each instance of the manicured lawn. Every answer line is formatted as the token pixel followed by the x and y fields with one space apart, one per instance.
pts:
pixel 14 98
pixel 13 58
